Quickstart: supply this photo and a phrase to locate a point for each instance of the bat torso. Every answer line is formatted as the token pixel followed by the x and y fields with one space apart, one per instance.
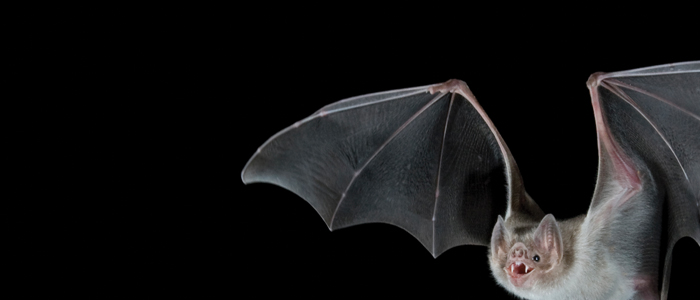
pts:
pixel 601 260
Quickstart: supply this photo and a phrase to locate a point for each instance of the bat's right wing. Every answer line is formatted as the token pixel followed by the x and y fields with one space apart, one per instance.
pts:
pixel 648 122
pixel 425 159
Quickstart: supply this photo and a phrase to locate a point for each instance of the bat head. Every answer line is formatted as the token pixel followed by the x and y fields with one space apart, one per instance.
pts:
pixel 523 258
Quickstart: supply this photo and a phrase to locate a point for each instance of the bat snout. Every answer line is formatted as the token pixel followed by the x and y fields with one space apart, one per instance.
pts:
pixel 518 251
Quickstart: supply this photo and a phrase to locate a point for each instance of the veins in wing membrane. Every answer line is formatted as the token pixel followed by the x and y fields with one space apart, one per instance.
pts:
pixel 437 182
pixel 650 94
pixel 614 87
pixel 343 105
pixel 380 148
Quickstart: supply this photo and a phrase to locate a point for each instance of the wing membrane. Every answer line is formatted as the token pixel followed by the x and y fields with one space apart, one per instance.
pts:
pixel 429 164
pixel 652 113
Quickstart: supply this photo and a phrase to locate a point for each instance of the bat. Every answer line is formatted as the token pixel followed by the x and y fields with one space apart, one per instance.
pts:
pixel 486 182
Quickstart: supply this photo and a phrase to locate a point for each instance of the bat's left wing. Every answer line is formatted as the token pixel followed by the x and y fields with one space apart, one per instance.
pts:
pixel 648 122
pixel 425 159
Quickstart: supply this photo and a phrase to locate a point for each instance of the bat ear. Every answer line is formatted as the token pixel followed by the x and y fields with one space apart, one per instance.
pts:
pixel 499 243
pixel 548 239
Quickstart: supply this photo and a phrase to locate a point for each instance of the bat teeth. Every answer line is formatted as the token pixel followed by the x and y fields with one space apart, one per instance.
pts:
pixel 519 268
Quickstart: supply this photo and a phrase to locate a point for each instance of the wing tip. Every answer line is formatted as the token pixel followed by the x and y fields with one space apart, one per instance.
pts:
pixel 243 172
pixel 245 168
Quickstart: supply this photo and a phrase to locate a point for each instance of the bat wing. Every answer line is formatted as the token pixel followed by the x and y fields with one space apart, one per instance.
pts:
pixel 425 159
pixel 648 122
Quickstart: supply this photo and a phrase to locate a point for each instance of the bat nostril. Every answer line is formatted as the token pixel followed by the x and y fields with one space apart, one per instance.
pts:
pixel 520 252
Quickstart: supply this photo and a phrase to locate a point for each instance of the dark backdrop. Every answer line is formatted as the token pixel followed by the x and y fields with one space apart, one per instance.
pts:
pixel 174 109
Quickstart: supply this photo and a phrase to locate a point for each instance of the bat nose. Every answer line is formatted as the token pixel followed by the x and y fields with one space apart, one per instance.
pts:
pixel 519 250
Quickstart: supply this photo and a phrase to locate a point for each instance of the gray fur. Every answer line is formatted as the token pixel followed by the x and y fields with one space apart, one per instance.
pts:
pixel 610 253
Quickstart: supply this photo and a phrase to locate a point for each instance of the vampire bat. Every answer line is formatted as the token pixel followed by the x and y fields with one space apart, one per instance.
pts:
pixel 430 161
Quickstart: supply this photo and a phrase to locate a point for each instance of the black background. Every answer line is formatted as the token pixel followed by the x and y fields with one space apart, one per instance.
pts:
pixel 150 202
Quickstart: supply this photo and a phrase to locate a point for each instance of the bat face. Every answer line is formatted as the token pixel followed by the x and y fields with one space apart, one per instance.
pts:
pixel 524 257
pixel 520 265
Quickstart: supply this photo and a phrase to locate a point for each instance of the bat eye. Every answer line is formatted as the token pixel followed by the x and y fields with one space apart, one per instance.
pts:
pixel 536 258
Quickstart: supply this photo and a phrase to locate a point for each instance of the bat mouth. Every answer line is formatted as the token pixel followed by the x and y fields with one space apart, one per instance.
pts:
pixel 518 269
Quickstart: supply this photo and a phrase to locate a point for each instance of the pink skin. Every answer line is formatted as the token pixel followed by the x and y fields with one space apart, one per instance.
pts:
pixel 454 86
pixel 646 287
pixel 519 265
pixel 624 171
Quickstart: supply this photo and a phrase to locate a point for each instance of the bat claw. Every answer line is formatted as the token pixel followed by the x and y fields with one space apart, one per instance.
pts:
pixel 454 86
pixel 450 86
pixel 594 80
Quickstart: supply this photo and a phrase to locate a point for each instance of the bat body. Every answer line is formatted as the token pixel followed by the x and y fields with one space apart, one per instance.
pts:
pixel 429 160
